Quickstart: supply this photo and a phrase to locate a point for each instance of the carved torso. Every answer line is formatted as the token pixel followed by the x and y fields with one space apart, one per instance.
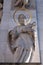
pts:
pixel 21 37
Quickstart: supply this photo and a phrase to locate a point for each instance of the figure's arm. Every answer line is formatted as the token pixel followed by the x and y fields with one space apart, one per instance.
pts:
pixel 21 29
pixel 25 29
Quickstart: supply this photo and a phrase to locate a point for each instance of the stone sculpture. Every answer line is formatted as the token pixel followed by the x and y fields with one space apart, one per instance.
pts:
pixel 21 40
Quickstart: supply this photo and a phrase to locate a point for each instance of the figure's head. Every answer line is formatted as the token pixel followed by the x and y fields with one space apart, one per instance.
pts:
pixel 21 19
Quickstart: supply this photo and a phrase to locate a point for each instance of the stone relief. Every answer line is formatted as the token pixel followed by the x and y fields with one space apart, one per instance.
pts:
pixel 18 32
pixel 21 40
pixel 21 37
pixel 20 4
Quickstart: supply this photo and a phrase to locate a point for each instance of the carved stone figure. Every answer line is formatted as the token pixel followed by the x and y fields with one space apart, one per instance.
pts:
pixel 21 40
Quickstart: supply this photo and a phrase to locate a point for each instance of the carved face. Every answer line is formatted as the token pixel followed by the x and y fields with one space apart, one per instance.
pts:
pixel 21 19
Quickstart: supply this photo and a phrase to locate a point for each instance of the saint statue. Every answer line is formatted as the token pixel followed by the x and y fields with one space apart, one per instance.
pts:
pixel 21 41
